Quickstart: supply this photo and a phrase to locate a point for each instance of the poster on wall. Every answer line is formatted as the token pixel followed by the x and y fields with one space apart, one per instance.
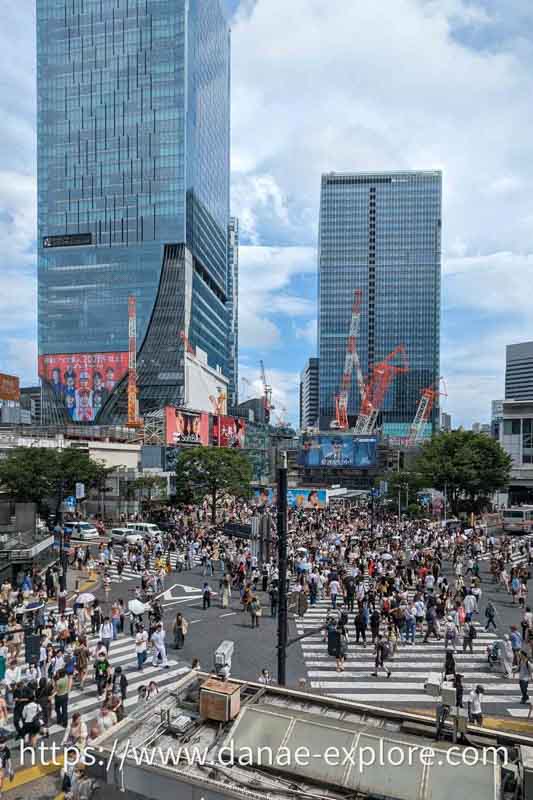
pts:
pixel 83 381
pixel 229 431
pixel 184 427
pixel 9 388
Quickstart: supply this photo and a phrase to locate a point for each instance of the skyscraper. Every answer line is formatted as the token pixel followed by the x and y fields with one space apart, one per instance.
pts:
pixel 519 371
pixel 381 233
pixel 133 197
pixel 309 394
pixel 233 311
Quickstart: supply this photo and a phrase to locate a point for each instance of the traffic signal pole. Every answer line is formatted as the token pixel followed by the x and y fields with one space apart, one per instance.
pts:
pixel 282 570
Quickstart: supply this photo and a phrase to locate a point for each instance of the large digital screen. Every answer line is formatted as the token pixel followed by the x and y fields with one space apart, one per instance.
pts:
pixel 83 381
pixel 228 431
pixel 331 450
pixel 184 427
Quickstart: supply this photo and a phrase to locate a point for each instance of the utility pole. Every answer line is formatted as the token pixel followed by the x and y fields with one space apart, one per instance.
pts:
pixel 282 570
pixel 63 557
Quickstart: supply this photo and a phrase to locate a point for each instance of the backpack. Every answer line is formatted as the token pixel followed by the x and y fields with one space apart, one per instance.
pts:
pixel 473 632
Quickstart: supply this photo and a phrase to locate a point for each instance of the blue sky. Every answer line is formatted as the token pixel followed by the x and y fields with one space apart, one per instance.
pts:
pixel 399 84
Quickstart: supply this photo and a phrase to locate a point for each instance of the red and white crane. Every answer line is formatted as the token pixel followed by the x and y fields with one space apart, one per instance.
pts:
pixel 377 387
pixel 427 400
pixel 267 393
pixel 351 365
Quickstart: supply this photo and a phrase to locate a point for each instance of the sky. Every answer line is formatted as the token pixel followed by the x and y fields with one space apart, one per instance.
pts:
pixel 335 86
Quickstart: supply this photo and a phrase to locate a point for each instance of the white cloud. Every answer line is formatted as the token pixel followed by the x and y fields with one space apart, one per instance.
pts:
pixel 308 332
pixel 285 389
pixel 495 283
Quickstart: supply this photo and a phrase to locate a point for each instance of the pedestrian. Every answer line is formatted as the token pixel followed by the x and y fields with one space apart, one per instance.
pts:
pixel 342 646
pixel 382 654
pixel 180 629
pixel 226 591
pixel 449 663
pixel 475 705
pixel 158 646
pixel 61 698
pixel 101 672
pixel 265 677
pixel 524 676
pixel 516 643
pixel 274 596
pixel 334 588
pixel 469 634
pixel 106 633
pixel 31 717
pixel 6 766
pixel 119 685
pixel 255 611
pixel 507 656
pixel 206 596
pixel 141 645
pixel 490 614
pixel 76 734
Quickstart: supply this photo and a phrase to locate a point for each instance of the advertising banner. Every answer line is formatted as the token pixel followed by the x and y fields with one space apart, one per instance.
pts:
pixel 296 498
pixel 83 381
pixel 335 450
pixel 230 433
pixel 9 387
pixel 184 427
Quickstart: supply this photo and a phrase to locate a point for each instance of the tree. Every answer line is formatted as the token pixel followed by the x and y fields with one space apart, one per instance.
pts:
pixel 149 486
pixel 470 466
pixel 213 472
pixel 41 474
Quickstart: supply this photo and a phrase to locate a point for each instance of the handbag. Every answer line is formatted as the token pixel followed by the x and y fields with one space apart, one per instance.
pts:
pixel 259 612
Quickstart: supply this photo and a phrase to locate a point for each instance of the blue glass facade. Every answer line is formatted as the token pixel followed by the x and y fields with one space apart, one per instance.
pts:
pixel 381 233
pixel 133 153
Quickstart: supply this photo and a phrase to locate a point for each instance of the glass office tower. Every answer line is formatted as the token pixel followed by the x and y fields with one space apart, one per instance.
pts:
pixel 381 233
pixel 133 145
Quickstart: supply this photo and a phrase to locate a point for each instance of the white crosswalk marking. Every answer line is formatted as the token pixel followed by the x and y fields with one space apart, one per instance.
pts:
pixel 410 667
pixel 121 653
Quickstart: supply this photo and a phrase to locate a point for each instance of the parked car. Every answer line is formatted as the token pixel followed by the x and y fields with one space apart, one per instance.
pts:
pixel 82 530
pixel 124 536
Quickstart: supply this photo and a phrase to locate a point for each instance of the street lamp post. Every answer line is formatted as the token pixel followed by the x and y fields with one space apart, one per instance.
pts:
pixel 63 558
pixel 282 570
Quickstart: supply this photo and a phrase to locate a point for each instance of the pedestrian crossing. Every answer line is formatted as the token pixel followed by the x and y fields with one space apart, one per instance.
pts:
pixel 121 653
pixel 410 668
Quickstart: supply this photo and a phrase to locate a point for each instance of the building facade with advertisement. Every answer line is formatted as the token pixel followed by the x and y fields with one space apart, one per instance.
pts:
pixel 229 432
pixel 380 233
pixel 233 311
pixel 133 124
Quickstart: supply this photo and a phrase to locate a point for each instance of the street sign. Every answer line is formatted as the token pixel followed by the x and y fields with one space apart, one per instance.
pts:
pixel 80 491
pixel 70 503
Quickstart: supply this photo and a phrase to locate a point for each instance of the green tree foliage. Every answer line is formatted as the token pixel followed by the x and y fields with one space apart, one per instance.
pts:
pixel 41 475
pixel 472 466
pixel 213 472
pixel 150 487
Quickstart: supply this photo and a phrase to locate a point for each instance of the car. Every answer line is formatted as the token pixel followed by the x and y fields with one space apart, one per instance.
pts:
pixel 83 530
pixel 146 529
pixel 124 536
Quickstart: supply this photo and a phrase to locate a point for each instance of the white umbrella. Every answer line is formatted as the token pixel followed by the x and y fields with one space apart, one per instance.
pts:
pixel 386 557
pixel 85 598
pixel 136 607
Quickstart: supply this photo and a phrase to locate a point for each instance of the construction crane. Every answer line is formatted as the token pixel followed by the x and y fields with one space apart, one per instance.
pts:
pixel 377 387
pixel 267 393
pixel 134 420
pixel 351 363
pixel 428 397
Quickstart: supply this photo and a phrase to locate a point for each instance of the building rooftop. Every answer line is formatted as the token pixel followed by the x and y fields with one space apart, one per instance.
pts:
pixel 179 743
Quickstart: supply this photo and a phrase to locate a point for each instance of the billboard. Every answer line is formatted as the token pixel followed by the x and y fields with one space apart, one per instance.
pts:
pixel 83 381
pixel 336 450
pixel 184 427
pixel 228 431
pixel 296 498
pixel 9 387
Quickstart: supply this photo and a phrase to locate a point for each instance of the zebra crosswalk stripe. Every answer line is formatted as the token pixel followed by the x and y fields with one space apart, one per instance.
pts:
pixel 410 667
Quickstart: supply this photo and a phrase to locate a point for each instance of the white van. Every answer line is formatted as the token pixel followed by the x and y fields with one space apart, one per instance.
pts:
pixel 146 529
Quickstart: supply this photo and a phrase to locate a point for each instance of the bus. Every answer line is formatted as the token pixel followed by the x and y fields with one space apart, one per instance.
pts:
pixel 518 519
